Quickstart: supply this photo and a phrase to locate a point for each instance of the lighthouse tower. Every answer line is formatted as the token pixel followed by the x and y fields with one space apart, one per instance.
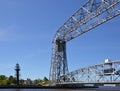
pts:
pixel 17 69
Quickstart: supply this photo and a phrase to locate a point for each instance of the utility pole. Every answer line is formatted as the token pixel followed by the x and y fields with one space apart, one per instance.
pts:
pixel 17 69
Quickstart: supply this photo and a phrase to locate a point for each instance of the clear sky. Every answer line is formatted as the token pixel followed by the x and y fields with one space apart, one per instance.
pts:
pixel 27 28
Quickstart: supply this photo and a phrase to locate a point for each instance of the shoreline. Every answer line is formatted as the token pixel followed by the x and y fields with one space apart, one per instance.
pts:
pixel 40 87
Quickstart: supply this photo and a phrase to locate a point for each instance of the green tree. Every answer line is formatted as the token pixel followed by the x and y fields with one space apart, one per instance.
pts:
pixel 3 77
pixel 45 79
pixel 11 80
pixel 38 81
pixel 3 80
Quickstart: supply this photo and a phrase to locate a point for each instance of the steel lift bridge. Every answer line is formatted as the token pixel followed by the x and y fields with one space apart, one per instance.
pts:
pixel 92 14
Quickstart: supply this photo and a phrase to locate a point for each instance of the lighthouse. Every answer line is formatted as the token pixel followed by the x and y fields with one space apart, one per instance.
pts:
pixel 17 69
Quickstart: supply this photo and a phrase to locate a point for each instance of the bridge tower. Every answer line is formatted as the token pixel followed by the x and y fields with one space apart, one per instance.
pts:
pixel 59 66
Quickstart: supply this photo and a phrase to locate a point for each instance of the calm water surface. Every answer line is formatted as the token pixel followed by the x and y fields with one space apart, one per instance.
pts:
pixel 81 89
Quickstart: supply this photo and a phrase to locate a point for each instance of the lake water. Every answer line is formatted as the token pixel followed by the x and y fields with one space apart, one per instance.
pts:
pixel 81 89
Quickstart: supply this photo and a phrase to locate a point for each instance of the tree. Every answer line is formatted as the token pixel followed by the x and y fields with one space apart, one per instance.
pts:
pixel 3 80
pixel 11 80
pixel 38 82
pixel 3 77
pixel 45 79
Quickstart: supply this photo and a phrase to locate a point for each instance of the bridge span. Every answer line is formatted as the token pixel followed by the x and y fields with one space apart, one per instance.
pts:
pixel 107 73
pixel 90 15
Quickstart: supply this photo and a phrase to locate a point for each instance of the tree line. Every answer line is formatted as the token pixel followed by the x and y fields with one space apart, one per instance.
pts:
pixel 11 80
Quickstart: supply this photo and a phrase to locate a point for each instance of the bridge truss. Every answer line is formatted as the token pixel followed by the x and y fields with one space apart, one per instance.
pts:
pixel 92 14
pixel 108 72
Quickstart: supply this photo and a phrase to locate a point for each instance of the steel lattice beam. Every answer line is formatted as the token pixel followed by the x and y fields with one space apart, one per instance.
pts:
pixel 92 14
pixel 105 72
pixel 89 16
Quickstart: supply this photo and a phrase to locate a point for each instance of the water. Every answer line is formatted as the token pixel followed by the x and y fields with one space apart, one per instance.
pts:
pixel 80 89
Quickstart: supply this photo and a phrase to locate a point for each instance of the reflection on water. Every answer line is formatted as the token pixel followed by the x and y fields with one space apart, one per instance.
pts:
pixel 37 90
pixel 41 90
pixel 17 89
pixel 80 89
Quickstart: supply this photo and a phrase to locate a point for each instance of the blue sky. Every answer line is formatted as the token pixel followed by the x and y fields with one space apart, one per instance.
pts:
pixel 27 28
